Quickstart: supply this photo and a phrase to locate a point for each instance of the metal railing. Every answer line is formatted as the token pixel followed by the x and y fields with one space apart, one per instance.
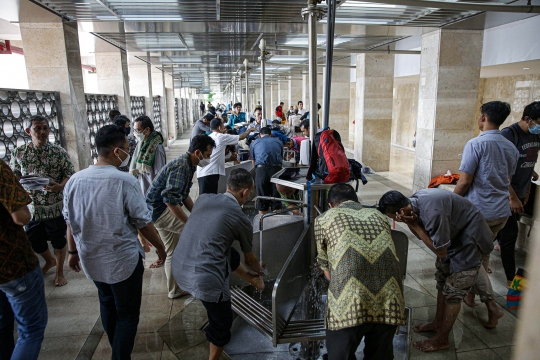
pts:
pixel 156 103
pixel 97 111
pixel 137 106
pixel 17 106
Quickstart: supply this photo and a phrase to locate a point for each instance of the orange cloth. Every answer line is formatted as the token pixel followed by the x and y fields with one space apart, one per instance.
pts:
pixel 443 179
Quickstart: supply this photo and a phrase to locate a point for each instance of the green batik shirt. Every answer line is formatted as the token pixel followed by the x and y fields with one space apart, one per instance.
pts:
pixel 355 245
pixel 51 161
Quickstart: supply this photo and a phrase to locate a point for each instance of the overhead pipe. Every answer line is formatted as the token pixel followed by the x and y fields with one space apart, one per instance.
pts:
pixel 330 26
pixel 467 6
pixel 262 58
pixel 348 52
pixel 246 75
pixel 312 13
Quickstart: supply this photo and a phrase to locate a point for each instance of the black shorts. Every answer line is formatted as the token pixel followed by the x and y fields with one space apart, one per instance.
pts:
pixel 53 230
pixel 266 188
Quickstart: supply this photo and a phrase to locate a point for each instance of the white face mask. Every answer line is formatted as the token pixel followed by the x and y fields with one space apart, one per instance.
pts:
pixel 125 162
pixel 139 137
pixel 204 162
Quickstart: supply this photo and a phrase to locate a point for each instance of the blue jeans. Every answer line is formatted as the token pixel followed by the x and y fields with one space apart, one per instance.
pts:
pixel 120 306
pixel 23 299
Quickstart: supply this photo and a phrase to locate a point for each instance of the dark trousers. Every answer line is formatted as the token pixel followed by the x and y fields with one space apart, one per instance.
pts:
pixel 343 343
pixel 507 238
pixel 265 187
pixel 208 184
pixel 220 317
pixel 120 306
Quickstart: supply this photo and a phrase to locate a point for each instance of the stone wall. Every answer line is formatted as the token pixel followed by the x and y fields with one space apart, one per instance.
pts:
pixel 404 112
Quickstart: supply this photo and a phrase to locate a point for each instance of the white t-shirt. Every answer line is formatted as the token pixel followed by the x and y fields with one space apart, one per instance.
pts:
pixel 217 159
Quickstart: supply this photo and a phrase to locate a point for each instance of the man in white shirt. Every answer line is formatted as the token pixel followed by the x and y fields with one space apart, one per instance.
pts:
pixel 208 172
pixel 301 110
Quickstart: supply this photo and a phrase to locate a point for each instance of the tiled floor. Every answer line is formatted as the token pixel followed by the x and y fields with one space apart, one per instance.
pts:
pixel 168 329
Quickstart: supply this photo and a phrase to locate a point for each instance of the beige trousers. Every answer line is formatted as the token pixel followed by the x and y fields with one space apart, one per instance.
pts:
pixel 483 284
pixel 169 228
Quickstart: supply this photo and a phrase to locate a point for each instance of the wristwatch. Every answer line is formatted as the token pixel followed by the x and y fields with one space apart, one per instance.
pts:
pixel 73 252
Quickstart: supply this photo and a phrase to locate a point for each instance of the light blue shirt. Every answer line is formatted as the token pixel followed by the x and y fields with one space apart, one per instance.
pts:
pixel 105 207
pixel 492 160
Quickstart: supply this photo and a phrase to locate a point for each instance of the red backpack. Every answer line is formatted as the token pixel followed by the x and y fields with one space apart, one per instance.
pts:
pixel 333 165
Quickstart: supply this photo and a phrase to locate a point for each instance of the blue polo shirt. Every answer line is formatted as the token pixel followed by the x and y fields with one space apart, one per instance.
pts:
pixel 267 151
pixel 492 160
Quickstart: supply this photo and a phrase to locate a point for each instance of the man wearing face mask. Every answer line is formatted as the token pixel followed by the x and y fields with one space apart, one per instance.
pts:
pixel 525 135
pixel 123 122
pixel 149 156
pixel 104 208
pixel 209 170
pixel 169 192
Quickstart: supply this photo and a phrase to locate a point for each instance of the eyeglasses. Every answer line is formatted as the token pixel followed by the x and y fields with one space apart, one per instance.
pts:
pixel 138 131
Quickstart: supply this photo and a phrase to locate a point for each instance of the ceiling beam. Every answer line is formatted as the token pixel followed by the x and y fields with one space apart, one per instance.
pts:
pixel 467 6
pixel 349 52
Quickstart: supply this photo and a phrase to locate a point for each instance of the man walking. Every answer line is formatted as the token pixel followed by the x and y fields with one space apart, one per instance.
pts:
pixel 169 192
pixel 204 256
pixel 22 293
pixel 487 165
pixel 456 232
pixel 208 174
pixel 40 157
pixel 148 159
pixel 357 254
pixel 267 156
pixel 525 137
pixel 104 208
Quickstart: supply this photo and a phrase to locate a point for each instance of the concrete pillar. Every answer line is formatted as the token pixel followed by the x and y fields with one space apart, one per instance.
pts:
pixel 269 101
pixel 283 95
pixel 374 89
pixel 53 62
pixel 112 74
pixel 275 102
pixel 138 82
pixel 192 95
pixel 295 92
pixel 305 90
pixel 339 101
pixel 352 111
pixel 169 101
pixel 447 101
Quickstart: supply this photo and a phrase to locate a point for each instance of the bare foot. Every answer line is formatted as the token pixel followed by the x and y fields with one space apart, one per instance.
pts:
pixel 508 284
pixel 60 280
pixel 156 264
pixel 433 344
pixel 493 318
pixel 431 327
pixel 497 247
pixel 257 281
pixel 469 300
pixel 48 265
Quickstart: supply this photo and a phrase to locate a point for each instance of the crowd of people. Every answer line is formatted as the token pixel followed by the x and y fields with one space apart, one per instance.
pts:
pixel 106 220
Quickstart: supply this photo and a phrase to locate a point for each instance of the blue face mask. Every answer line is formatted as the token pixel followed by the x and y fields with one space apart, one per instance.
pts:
pixel 535 130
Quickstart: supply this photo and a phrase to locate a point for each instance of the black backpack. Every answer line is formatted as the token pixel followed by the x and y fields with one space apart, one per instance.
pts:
pixel 356 173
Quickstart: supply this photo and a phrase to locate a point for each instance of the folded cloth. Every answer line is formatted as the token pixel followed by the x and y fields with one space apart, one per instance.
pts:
pixel 145 154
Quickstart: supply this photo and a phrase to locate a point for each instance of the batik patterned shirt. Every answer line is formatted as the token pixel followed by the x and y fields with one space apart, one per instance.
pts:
pixel 50 161
pixel 16 255
pixel 355 245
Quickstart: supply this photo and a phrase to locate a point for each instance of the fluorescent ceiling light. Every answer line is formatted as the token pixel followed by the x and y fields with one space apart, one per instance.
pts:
pixel 350 4
pixel 525 68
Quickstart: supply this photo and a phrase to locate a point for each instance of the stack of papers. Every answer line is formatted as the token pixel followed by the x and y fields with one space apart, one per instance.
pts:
pixel 34 182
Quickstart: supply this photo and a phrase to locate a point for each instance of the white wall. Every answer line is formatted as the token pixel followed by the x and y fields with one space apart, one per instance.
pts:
pixel 13 72
pixel 514 42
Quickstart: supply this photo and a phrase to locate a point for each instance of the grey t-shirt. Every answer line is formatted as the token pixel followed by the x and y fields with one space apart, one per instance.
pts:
pixel 453 223
pixel 105 207
pixel 145 180
pixel 492 160
pixel 201 260
pixel 199 128
pixel 527 145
